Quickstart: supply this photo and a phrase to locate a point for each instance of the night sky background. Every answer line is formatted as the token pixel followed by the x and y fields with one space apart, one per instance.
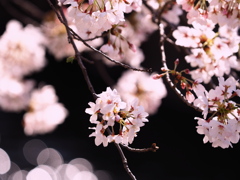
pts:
pixel 181 155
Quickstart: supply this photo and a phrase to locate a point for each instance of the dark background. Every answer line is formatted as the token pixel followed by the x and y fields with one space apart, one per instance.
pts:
pixel 181 155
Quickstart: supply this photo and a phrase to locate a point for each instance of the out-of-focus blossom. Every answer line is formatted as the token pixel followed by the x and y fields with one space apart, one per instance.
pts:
pixel 45 113
pixel 14 93
pixel 57 40
pixel 112 111
pixel 150 92
pixel 21 49
pixel 171 12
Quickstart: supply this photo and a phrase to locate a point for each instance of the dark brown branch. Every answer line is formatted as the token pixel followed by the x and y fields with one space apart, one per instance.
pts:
pixel 62 18
pixel 76 36
pixel 84 71
pixel 124 161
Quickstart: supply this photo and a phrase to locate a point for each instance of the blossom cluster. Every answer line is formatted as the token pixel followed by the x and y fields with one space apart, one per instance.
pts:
pixel 119 121
pixel 222 127
pixel 96 16
pixel 210 12
pixel 210 53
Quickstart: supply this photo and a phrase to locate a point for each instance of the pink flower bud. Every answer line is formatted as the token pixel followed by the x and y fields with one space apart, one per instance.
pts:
pixel 187 71
pixel 157 76
pixel 183 85
pixel 132 46
pixel 176 61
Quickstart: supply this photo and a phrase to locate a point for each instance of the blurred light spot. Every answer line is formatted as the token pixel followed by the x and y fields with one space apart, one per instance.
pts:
pixel 85 175
pixel 5 162
pixel 13 169
pixel 103 175
pixel 19 175
pixel 67 171
pixel 38 174
pixel 31 150
pixel 51 157
pixel 82 164
pixel 50 171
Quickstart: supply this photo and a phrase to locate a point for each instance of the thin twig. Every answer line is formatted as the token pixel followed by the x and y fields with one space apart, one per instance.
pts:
pixel 76 36
pixel 153 148
pixel 169 81
pixel 62 18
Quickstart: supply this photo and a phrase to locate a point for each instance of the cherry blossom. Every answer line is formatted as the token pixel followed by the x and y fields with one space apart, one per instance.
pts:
pixel 112 112
pixel 123 45
pixel 91 19
pixel 44 113
pixel 211 53
pixel 57 40
pixel 14 93
pixel 140 85
pixel 217 12
pixel 221 128
pixel 22 51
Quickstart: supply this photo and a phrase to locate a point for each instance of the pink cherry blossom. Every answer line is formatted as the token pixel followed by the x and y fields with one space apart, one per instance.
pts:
pixel 45 113
pixel 110 110
pixel 19 57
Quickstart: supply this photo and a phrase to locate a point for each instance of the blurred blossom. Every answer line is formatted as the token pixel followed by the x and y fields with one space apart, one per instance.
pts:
pixel 141 85
pixel 45 113
pixel 57 40
pixel 14 93
pixel 171 12
pixel 21 49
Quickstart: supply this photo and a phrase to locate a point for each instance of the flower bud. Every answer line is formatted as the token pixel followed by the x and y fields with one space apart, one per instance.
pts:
pixel 157 76
pixel 176 61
